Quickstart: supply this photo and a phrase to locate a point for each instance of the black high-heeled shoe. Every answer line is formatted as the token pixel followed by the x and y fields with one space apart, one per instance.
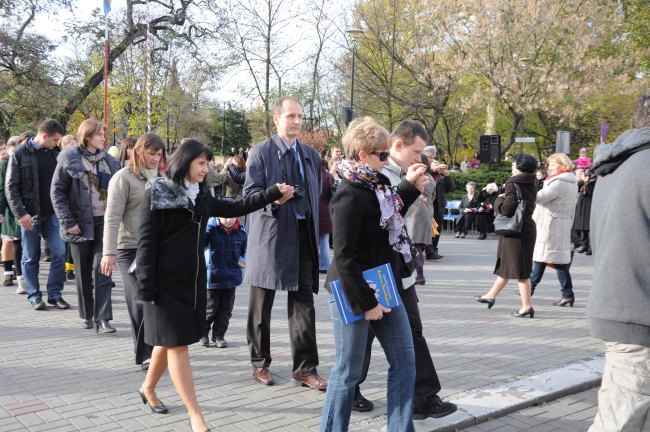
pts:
pixel 161 409
pixel 490 302
pixel 530 312
pixel 564 302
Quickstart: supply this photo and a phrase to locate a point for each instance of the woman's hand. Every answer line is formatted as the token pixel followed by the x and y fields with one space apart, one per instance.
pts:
pixel 376 313
pixel 287 193
pixel 415 176
pixel 75 230
pixel 107 264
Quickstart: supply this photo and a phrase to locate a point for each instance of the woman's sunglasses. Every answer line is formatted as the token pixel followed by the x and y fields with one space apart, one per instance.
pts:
pixel 381 155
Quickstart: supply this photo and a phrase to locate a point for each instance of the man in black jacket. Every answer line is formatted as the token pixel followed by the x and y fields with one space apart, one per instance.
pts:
pixel 29 177
pixel 444 185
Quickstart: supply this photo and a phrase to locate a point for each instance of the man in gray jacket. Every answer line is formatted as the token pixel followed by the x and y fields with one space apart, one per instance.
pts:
pixel 619 302
pixel 282 251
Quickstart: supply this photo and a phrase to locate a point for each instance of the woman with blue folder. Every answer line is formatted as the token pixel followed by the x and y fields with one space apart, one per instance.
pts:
pixel 368 231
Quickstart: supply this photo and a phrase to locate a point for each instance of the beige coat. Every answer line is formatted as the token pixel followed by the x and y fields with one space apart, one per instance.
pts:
pixel 554 211
pixel 122 217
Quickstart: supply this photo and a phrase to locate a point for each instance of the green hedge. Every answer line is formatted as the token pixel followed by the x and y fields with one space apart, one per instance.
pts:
pixel 487 173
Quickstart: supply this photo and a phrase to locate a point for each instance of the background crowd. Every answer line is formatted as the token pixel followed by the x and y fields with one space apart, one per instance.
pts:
pixel 385 193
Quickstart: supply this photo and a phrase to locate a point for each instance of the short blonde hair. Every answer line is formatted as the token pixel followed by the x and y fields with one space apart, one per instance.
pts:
pixel 365 134
pixel 562 159
pixel 67 141
pixel 88 129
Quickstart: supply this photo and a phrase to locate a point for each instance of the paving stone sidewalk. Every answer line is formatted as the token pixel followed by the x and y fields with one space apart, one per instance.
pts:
pixel 574 413
pixel 56 376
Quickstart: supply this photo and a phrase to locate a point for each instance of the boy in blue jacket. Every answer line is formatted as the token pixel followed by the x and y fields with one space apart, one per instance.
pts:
pixel 225 248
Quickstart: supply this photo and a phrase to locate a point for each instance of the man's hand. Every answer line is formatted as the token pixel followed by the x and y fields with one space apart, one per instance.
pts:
pixel 376 313
pixel 108 264
pixel 2 218
pixel 26 222
pixel 75 230
pixel 415 176
pixel 287 193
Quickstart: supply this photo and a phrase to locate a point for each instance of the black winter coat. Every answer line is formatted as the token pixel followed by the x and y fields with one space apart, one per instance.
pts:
pixel 171 269
pixel 21 184
pixel 359 242
pixel 515 254
pixel 583 206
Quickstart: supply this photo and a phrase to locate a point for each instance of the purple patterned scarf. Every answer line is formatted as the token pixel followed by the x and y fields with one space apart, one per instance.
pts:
pixel 390 204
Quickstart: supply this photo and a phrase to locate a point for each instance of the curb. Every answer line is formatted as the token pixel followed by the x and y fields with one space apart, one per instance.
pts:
pixel 485 403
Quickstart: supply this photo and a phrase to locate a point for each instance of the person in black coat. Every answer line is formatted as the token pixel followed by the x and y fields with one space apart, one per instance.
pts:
pixel 515 254
pixel 468 207
pixel 485 213
pixel 172 235
pixel 366 236
pixel 583 211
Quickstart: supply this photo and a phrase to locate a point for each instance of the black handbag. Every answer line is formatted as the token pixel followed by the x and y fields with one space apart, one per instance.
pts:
pixel 408 268
pixel 511 226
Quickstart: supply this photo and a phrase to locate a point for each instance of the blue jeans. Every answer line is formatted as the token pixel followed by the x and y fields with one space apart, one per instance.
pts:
pixel 324 252
pixel 563 275
pixel 394 333
pixel 31 240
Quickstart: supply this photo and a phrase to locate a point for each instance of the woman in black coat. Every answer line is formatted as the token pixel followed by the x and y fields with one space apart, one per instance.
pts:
pixel 515 254
pixel 367 235
pixel 485 213
pixel 583 211
pixel 469 204
pixel 171 270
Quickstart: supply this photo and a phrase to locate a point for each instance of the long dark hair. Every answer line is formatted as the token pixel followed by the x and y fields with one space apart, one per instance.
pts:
pixel 179 162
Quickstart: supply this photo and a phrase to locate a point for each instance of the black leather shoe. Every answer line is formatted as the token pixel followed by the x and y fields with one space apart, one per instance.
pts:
pixel 160 409
pixel 490 302
pixel 361 404
pixel 38 304
pixel 106 327
pixel 530 312
pixel 437 410
pixel 59 303
pixel 87 323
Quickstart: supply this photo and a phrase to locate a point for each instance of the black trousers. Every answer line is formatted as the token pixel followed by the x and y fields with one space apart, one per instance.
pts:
pixel 427 384
pixel 142 351
pixel 93 288
pixel 301 314
pixel 433 247
pixel 219 311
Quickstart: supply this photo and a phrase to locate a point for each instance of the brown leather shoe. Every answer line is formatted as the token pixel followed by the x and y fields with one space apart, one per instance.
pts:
pixel 311 381
pixel 263 375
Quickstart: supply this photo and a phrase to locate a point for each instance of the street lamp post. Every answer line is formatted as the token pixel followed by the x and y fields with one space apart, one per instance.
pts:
pixel 354 34
pixel 523 61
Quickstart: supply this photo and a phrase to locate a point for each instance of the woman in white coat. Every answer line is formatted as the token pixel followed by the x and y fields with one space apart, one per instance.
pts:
pixel 556 203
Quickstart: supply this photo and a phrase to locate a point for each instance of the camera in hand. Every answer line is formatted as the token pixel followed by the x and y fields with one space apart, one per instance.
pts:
pixel 298 191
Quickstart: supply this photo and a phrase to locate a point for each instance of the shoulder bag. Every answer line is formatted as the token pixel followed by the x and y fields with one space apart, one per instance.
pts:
pixel 511 226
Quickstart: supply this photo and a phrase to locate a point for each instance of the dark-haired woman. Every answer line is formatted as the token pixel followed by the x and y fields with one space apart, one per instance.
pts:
pixel 79 191
pixel 515 254
pixel 126 150
pixel 174 215
pixel 122 223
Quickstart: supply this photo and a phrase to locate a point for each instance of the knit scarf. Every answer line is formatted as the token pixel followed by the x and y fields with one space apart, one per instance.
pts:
pixel 390 204
pixel 97 170
pixel 149 175
pixel 557 174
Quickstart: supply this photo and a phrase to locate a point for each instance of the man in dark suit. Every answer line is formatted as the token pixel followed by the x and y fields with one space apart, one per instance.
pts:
pixel 281 236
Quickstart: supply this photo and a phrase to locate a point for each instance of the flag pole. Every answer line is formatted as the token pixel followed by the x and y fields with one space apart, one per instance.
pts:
pixel 105 73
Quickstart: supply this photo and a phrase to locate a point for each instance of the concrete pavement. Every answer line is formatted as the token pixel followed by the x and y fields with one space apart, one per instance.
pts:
pixel 56 376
